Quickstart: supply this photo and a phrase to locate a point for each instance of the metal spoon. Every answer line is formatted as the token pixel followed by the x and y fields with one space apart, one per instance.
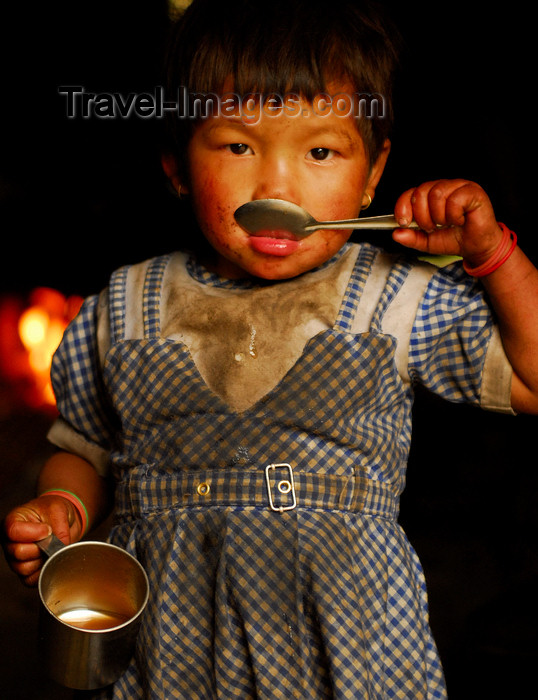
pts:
pixel 278 214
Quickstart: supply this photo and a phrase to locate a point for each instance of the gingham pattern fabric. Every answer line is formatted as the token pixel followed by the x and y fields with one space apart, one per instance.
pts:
pixel 459 330
pixel 278 485
pixel 326 600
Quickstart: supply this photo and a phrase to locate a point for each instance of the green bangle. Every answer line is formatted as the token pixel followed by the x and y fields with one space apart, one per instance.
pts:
pixel 75 500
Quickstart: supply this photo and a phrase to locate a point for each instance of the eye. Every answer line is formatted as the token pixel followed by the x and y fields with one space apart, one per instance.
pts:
pixel 321 153
pixel 239 149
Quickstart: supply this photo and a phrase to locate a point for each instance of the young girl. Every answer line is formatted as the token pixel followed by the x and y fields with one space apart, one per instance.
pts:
pixel 251 402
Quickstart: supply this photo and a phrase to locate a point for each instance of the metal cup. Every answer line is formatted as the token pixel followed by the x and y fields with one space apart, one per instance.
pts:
pixel 93 595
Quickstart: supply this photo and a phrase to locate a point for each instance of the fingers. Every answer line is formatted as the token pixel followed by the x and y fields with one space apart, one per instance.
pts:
pixel 434 204
pixel 22 554
pixel 22 528
pixel 19 530
pixel 455 217
pixel 26 564
pixel 25 560
pixel 403 210
pixel 441 203
pixel 34 521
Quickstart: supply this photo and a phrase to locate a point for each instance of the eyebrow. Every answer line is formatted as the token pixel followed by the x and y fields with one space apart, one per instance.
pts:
pixel 321 130
pixel 332 130
pixel 222 122
pixel 315 131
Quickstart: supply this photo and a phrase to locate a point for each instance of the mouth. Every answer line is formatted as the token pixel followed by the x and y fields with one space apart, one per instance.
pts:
pixel 279 234
pixel 277 243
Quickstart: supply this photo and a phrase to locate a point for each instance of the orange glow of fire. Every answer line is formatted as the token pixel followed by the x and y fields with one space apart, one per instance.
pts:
pixel 41 335
pixel 30 337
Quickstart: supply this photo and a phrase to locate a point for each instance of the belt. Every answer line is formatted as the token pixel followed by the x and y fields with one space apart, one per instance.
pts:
pixel 278 487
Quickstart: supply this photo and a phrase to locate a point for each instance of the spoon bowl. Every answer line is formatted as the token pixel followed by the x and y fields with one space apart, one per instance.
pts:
pixel 281 215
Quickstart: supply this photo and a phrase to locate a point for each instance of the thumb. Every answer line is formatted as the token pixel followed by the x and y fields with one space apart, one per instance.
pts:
pixel 26 525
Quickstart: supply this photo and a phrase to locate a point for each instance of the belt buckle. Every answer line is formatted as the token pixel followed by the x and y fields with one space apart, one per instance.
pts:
pixel 284 486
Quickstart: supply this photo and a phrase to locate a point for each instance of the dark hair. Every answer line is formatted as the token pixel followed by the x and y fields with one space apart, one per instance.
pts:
pixel 278 47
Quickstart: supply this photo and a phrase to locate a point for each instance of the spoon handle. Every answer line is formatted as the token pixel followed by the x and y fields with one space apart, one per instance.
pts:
pixel 369 222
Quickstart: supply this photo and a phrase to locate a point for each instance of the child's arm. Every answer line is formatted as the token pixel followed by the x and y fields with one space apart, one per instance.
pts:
pixel 473 233
pixel 35 520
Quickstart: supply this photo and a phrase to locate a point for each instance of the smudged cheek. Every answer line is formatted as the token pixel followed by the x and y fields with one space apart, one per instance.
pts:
pixel 345 204
pixel 329 243
pixel 214 206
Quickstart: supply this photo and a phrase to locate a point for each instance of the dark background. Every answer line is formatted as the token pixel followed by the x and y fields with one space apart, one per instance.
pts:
pixel 80 197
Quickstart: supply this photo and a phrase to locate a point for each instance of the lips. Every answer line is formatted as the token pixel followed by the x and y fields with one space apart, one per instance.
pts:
pixel 274 233
pixel 277 243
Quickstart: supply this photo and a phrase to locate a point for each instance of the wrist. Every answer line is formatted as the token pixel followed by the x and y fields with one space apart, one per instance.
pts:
pixel 500 255
pixel 75 501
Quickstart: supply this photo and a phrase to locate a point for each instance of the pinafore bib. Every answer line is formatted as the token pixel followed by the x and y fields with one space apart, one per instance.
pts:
pixel 277 567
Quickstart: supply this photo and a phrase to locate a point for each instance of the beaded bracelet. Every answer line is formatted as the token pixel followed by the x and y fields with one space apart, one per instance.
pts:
pixel 499 257
pixel 75 500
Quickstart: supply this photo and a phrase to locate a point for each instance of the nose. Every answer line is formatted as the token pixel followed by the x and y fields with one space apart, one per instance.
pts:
pixel 277 178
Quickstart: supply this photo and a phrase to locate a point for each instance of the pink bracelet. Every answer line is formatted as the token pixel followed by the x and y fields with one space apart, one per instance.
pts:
pixel 75 500
pixel 499 257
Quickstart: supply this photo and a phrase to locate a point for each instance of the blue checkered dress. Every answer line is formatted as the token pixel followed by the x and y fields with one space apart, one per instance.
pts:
pixel 281 573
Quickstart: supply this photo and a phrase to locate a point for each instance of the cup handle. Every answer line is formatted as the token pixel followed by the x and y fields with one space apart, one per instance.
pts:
pixel 50 545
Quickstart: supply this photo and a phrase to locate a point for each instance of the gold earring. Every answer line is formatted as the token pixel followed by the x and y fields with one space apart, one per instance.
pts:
pixel 365 206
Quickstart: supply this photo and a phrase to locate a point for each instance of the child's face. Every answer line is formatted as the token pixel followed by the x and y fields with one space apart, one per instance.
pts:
pixel 315 160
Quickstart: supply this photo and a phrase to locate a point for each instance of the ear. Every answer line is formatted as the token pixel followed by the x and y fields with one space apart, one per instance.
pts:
pixel 377 170
pixel 171 170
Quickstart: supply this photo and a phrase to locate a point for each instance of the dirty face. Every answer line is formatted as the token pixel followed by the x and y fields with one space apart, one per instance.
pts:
pixel 313 158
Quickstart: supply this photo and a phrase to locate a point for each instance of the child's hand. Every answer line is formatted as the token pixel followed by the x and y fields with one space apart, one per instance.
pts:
pixel 34 521
pixel 456 218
